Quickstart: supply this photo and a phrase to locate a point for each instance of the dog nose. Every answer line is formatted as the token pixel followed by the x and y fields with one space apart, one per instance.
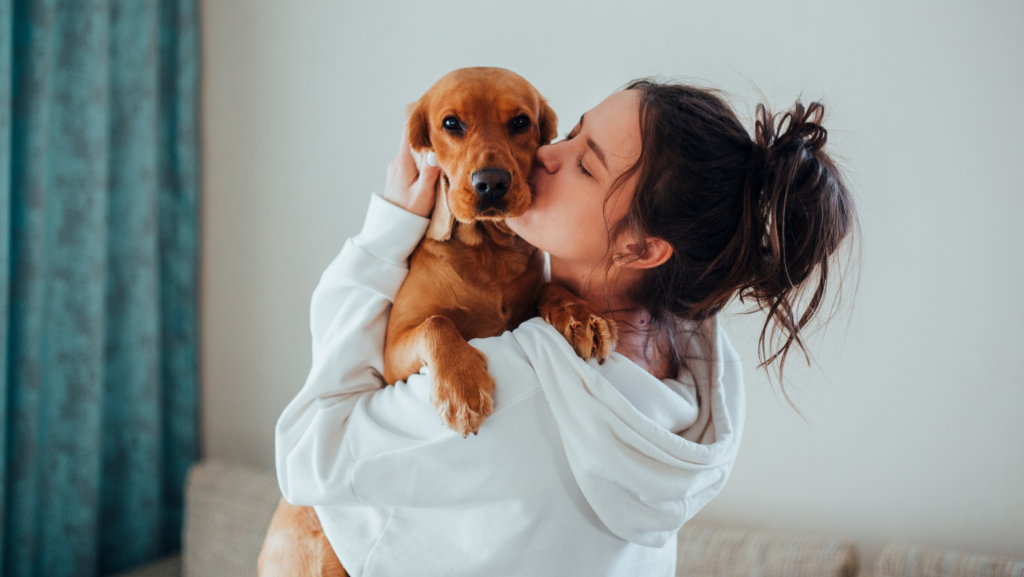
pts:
pixel 492 183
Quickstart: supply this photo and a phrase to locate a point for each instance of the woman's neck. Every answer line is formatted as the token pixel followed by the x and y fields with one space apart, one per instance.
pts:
pixel 608 296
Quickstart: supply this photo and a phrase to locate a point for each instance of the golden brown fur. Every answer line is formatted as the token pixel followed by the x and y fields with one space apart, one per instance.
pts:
pixel 470 277
pixel 295 546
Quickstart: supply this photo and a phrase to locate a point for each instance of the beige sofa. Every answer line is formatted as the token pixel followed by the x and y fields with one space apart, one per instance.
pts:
pixel 228 509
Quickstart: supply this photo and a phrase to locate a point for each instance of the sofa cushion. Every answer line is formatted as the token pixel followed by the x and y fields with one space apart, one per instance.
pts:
pixel 720 552
pixel 227 512
pixel 902 560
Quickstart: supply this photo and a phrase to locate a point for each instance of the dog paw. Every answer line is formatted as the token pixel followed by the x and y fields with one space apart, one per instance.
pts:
pixel 590 334
pixel 462 390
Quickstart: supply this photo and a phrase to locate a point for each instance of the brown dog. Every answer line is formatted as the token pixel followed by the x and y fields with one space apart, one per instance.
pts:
pixel 475 278
pixel 469 277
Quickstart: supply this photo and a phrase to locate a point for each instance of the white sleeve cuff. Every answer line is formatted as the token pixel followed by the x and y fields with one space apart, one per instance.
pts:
pixel 390 232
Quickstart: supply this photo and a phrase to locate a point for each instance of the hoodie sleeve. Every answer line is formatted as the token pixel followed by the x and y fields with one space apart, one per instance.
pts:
pixel 348 319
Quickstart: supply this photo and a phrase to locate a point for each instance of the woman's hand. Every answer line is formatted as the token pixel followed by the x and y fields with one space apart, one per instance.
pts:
pixel 409 186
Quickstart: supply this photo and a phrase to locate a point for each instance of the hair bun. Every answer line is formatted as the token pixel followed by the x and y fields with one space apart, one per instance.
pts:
pixel 797 128
pixel 798 212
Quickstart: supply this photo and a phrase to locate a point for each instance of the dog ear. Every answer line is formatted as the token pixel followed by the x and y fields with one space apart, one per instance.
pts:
pixel 548 123
pixel 441 220
pixel 419 127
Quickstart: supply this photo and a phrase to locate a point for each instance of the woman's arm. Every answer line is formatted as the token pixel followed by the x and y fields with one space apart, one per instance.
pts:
pixel 348 319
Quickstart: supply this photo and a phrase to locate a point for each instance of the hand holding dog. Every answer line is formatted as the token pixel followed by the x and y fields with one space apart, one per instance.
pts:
pixel 409 186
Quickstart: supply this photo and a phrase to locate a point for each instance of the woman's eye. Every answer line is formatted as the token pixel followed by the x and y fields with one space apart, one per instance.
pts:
pixel 579 163
pixel 569 135
pixel 520 122
pixel 452 123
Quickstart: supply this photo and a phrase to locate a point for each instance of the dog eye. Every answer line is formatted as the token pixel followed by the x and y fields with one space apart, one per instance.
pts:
pixel 520 122
pixel 452 123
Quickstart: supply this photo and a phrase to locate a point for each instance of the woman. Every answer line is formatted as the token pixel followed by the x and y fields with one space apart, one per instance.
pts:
pixel 657 208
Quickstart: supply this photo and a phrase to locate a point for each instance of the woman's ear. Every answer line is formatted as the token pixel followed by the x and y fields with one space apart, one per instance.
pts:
pixel 419 128
pixel 658 251
pixel 548 123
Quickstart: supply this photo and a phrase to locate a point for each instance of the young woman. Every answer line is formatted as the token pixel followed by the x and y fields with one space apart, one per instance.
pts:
pixel 657 208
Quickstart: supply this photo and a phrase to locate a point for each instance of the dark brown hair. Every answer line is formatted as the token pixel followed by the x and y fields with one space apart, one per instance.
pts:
pixel 759 218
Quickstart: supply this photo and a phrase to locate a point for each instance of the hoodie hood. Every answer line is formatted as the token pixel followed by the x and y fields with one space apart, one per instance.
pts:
pixel 646 454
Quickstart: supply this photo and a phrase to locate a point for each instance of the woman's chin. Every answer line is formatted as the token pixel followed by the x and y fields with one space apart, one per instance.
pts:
pixel 516 223
pixel 521 226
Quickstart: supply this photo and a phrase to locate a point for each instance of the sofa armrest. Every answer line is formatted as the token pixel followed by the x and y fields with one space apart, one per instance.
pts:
pixel 903 560
pixel 706 551
pixel 227 512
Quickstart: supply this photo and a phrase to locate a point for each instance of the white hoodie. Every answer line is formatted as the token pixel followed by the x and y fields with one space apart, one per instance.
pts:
pixel 583 469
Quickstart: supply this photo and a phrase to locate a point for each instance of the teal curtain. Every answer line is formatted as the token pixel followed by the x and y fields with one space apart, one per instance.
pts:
pixel 98 291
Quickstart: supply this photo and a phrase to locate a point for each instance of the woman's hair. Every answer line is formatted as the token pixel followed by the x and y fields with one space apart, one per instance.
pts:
pixel 755 217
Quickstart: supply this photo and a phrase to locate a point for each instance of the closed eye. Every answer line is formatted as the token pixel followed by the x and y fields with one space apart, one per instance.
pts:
pixel 579 163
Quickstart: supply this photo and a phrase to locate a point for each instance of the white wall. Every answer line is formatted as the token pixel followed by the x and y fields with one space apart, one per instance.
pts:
pixel 914 425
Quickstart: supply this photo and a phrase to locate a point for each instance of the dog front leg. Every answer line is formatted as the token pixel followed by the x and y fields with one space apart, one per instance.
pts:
pixel 589 333
pixel 461 386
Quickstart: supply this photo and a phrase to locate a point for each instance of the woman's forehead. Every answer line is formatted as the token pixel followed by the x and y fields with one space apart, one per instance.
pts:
pixel 614 125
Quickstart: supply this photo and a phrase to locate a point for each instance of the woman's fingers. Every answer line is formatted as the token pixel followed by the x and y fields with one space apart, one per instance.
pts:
pixel 409 186
pixel 403 144
pixel 423 190
pixel 406 163
pixel 429 170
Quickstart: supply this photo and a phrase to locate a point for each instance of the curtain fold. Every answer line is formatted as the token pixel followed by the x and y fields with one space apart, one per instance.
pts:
pixel 99 251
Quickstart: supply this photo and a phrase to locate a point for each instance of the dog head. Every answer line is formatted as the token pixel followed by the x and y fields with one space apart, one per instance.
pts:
pixel 484 125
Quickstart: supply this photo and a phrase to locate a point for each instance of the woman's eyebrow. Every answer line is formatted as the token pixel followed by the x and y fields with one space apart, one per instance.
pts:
pixel 593 146
pixel 597 151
